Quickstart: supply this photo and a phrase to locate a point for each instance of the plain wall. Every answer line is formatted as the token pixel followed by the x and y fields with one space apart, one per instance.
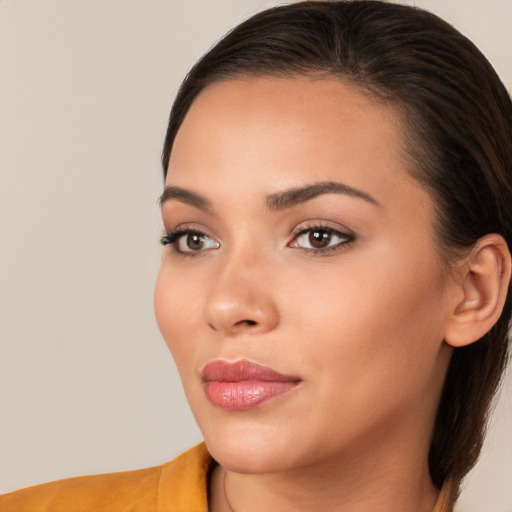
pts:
pixel 86 383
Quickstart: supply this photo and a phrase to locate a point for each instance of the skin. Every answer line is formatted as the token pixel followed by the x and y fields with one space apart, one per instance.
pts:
pixel 362 325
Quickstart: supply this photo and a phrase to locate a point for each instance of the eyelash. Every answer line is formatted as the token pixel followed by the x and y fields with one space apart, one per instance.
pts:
pixel 172 237
pixel 348 238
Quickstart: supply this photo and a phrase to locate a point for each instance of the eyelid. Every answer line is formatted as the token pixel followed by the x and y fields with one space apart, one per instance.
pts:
pixel 170 236
pixel 174 236
pixel 347 236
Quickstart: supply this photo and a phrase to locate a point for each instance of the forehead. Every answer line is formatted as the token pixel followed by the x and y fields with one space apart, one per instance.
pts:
pixel 282 132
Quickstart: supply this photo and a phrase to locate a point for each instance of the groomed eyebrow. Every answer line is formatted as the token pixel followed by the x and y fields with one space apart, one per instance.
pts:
pixel 295 196
pixel 186 196
pixel 275 202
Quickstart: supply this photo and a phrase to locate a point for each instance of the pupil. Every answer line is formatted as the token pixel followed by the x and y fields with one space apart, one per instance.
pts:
pixel 319 239
pixel 195 241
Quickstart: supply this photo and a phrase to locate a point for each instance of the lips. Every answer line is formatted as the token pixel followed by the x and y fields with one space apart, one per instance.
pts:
pixel 243 385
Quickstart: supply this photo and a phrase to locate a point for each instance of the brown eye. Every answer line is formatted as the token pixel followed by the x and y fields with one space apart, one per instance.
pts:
pixel 319 239
pixel 189 241
pixel 194 242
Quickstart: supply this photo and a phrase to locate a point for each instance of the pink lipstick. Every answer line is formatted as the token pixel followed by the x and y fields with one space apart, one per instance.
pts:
pixel 243 385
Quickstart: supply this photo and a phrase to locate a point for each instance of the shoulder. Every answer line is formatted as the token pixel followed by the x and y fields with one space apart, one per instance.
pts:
pixel 107 492
pixel 159 488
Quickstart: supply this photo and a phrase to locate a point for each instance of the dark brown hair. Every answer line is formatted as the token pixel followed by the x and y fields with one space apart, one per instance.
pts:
pixel 458 119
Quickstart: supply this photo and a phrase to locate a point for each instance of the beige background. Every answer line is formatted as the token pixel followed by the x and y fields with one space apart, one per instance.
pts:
pixel 86 384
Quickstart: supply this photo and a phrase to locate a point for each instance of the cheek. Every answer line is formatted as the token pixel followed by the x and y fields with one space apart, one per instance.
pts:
pixel 372 322
pixel 175 312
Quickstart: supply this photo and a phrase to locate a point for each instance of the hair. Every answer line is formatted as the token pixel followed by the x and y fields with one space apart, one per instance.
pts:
pixel 458 134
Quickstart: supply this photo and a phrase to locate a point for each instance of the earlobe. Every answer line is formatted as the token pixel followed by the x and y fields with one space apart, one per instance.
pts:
pixel 484 279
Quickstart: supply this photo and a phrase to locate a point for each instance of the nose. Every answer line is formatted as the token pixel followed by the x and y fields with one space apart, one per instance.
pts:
pixel 240 300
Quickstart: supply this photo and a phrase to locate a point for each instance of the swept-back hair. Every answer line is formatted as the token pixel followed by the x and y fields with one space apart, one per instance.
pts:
pixel 458 133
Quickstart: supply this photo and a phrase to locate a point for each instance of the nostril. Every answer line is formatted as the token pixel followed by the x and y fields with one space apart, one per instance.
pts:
pixel 250 323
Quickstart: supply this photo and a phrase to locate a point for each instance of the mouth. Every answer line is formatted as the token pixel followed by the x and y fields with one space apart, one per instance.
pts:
pixel 242 385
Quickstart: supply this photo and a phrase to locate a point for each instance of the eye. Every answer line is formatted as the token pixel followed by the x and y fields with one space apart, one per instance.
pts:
pixel 320 239
pixel 189 241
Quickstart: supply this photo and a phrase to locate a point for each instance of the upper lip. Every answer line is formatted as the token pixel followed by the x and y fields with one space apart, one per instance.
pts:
pixel 243 370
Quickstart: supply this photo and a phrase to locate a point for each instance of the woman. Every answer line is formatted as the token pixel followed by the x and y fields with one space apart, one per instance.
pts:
pixel 335 285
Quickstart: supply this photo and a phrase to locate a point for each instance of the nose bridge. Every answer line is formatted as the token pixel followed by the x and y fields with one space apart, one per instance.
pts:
pixel 240 299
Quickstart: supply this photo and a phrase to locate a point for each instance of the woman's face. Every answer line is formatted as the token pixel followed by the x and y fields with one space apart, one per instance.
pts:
pixel 300 243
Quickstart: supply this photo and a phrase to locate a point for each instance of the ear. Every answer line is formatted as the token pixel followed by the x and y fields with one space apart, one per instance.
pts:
pixel 483 279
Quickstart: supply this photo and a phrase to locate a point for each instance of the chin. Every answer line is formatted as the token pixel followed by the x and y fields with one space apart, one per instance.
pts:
pixel 248 457
pixel 276 436
pixel 245 445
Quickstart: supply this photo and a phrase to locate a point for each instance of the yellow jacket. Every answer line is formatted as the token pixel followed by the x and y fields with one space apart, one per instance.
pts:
pixel 178 486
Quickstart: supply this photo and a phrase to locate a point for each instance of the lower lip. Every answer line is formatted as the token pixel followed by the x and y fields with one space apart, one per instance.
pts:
pixel 243 395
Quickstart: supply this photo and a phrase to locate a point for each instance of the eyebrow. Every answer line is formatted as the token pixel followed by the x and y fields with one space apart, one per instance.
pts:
pixel 275 202
pixel 295 196
pixel 186 196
